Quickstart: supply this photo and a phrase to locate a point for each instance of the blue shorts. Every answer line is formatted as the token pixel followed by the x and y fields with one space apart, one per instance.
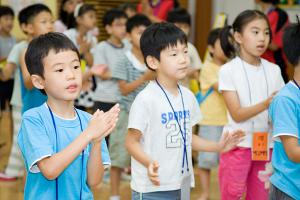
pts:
pixel 161 195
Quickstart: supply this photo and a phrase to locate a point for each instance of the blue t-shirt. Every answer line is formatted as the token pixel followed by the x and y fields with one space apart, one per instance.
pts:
pixel 285 115
pixel 31 98
pixel 37 140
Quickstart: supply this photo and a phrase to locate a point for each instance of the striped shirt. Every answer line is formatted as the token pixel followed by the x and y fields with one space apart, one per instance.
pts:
pixel 129 69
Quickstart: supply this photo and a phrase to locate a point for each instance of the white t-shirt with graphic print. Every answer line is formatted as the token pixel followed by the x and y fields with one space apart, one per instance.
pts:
pixel 161 138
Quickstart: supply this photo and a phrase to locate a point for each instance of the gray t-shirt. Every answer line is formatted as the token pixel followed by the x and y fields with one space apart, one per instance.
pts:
pixel 6 44
pixel 129 69
pixel 107 53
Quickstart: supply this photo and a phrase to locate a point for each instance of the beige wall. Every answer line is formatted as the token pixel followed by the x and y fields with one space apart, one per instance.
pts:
pixel 19 4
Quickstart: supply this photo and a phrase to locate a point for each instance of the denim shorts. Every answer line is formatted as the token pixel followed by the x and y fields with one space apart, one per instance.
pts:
pixel 161 195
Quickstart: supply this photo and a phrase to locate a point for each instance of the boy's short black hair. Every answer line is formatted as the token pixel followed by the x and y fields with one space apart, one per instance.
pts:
pixel 179 15
pixel 40 47
pixel 6 10
pixel 274 2
pixel 158 37
pixel 27 14
pixel 136 21
pixel 111 15
pixel 291 43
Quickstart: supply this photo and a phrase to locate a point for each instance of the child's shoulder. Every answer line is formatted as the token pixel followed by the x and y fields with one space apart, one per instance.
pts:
pixel 289 91
pixel 87 116
pixel 270 66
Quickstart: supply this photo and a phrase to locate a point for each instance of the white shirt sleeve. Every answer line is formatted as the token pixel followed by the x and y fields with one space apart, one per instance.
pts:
pixel 139 114
pixel 226 79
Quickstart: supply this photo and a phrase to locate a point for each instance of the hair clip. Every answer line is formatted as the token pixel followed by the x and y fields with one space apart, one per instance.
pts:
pixel 77 8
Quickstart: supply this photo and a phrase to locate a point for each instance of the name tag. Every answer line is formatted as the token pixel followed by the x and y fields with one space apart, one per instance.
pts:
pixel 260 146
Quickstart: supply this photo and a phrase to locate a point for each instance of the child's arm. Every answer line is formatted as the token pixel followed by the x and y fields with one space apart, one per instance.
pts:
pixel 100 126
pixel 126 88
pixel 291 147
pixel 94 169
pixel 7 71
pixel 25 74
pixel 240 113
pixel 134 148
pixel 226 143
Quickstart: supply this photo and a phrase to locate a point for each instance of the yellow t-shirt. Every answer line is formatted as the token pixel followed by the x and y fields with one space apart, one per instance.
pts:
pixel 213 108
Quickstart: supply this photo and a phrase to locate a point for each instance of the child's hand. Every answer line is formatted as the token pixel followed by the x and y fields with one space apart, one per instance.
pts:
pixel 230 140
pixel 153 173
pixel 102 123
pixel 98 69
pixel 84 45
pixel 270 98
pixel 149 75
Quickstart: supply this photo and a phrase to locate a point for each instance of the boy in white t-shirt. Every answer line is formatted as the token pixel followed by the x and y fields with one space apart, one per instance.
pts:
pixel 159 136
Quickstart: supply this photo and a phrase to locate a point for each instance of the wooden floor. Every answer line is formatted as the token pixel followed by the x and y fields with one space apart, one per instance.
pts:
pixel 14 190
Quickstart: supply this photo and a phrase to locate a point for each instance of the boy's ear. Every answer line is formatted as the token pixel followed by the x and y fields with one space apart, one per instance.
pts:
pixel 28 28
pixel 38 81
pixel 108 29
pixel 152 62
pixel 237 37
pixel 211 49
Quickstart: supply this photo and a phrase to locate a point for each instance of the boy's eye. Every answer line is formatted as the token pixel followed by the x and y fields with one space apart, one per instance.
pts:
pixel 185 51
pixel 76 67
pixel 173 54
pixel 59 70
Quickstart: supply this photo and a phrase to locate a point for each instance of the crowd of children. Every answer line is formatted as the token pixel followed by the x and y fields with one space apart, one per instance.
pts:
pixel 135 84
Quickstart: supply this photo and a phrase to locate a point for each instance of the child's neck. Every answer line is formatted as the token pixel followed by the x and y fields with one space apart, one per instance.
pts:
pixel 115 41
pixel 82 31
pixel 252 60
pixel 168 84
pixel 138 54
pixel 297 74
pixel 63 109
pixel 4 33
pixel 218 61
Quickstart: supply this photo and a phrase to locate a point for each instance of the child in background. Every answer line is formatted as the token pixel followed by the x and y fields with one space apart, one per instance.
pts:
pixel 278 19
pixel 83 39
pixel 131 74
pixel 159 137
pixel 285 114
pixel 108 52
pixel 62 146
pixel 129 9
pixel 7 41
pixel 30 20
pixel 182 19
pixel 213 109
pixel 39 22
pixel 248 84
pixel 66 18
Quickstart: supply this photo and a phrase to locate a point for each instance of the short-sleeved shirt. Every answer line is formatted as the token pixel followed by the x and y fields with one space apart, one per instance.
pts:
pixel 14 57
pixel 213 108
pixel 129 69
pixel 72 34
pixel 285 114
pixel 6 44
pixel 161 138
pixel 106 53
pixel 263 81
pixel 37 140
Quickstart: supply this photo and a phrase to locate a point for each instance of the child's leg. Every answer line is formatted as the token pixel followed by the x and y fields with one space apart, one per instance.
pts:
pixel 233 173
pixel 276 194
pixel 120 158
pixel 255 187
pixel 15 166
pixel 208 160
pixel 162 195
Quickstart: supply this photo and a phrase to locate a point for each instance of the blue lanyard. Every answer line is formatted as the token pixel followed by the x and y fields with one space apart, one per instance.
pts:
pixel 296 84
pixel 183 134
pixel 57 149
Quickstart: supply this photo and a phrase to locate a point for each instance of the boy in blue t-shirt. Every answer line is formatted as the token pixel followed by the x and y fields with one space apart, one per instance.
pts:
pixel 63 148
pixel 285 115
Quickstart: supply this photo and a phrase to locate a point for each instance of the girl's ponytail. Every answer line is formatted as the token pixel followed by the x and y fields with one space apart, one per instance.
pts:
pixel 226 40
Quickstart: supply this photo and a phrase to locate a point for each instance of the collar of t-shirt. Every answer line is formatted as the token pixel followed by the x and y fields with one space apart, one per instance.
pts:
pixel 135 62
pixel 292 82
